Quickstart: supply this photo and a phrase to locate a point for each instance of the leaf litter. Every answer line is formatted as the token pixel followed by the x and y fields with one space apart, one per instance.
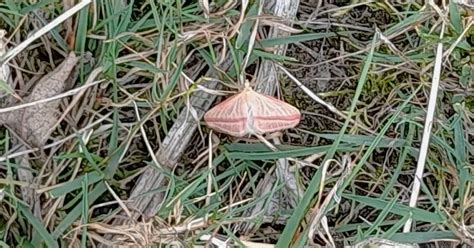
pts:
pixel 34 124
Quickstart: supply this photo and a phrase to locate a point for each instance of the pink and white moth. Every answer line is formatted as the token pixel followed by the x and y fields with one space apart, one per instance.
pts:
pixel 251 113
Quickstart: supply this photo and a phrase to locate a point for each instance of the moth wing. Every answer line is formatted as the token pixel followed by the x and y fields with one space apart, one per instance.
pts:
pixel 229 117
pixel 271 114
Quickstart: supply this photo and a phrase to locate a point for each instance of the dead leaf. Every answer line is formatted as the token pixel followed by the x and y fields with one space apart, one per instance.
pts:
pixel 33 123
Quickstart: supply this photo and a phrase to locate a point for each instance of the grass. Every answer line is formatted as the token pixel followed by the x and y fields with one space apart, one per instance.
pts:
pixel 350 175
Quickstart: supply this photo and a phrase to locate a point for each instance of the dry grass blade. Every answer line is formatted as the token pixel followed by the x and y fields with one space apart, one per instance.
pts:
pixel 205 7
pixel 319 212
pixel 426 131
pixel 6 91
pixel 4 68
pixel 382 243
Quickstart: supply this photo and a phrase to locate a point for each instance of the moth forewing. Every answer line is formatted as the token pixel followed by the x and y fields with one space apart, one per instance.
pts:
pixel 274 115
pixel 228 117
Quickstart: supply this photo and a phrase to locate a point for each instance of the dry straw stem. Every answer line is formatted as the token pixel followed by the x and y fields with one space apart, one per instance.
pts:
pixel 170 151
pixel 90 81
pixel 205 6
pixel 5 79
pixel 319 212
pixel 382 243
pixel 426 131
pixel 224 244
pixel 268 76
pixel 4 69
pixel 460 38
pixel 251 41
pixel 148 232
pixel 467 3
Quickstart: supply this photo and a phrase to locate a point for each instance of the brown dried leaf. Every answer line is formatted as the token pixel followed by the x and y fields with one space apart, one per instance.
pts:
pixel 34 123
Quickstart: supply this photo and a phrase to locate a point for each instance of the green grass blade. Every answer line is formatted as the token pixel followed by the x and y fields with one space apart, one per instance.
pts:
pixel 455 17
pixel 299 152
pixel 93 177
pixel 395 227
pixel 85 210
pixel 461 160
pixel 38 226
pixel 400 209
pixel 401 161
pixel 380 217
pixel 423 237
pixel 269 42
pixel 76 212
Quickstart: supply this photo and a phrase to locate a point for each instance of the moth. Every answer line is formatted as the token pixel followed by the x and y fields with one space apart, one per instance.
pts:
pixel 251 113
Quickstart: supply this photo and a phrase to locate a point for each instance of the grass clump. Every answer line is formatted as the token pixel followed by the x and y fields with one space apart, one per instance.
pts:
pixel 343 176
